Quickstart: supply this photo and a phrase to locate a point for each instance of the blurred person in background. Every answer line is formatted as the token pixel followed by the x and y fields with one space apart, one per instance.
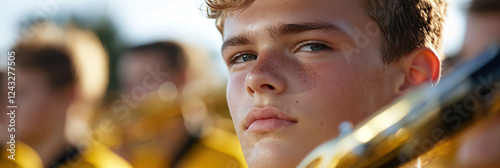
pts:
pixel 480 145
pixel 170 110
pixel 61 73
pixel 483 30
pixel 163 61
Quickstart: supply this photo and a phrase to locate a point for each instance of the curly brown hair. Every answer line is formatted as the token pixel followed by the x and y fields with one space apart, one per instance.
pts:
pixel 406 25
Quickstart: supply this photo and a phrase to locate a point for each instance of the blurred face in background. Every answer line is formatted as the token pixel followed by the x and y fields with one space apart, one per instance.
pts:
pixel 483 30
pixel 290 81
pixel 147 68
pixel 40 107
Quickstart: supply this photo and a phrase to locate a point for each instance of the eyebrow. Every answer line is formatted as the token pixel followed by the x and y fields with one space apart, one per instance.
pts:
pixel 239 40
pixel 288 29
pixel 282 30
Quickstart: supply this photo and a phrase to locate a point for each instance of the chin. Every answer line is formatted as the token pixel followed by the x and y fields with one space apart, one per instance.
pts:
pixel 275 161
pixel 276 154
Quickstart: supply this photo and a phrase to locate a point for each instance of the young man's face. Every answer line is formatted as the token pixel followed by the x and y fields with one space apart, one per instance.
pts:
pixel 298 69
pixel 38 104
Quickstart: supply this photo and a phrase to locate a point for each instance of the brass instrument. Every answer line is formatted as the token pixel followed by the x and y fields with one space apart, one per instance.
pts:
pixel 141 133
pixel 419 122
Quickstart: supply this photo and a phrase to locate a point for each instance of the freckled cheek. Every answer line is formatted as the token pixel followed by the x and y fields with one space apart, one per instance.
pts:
pixel 333 78
pixel 334 90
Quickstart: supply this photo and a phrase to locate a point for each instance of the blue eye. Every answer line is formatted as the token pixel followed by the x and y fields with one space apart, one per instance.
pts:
pixel 313 47
pixel 240 58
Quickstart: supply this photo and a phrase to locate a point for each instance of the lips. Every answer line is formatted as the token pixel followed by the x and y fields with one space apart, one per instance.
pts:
pixel 267 120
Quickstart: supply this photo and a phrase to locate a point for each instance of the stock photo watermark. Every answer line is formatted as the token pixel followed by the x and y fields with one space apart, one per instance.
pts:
pixel 457 115
pixel 139 93
pixel 11 106
pixel 46 10
pixel 362 39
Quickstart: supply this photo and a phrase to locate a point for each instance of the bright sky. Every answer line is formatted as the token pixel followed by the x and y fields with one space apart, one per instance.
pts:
pixel 149 20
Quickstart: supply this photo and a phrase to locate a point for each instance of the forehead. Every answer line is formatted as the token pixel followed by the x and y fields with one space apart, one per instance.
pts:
pixel 29 76
pixel 262 14
pixel 143 59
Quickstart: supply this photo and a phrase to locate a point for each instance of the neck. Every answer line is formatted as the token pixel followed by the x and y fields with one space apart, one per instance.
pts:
pixel 176 140
pixel 51 146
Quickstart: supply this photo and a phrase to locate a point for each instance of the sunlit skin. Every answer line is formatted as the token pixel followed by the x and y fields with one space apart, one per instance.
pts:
pixel 287 57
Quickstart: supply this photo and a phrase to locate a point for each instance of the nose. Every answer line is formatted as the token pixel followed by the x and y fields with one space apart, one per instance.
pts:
pixel 266 76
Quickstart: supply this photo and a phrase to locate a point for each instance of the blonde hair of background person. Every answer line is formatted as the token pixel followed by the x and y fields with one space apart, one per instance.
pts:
pixel 70 126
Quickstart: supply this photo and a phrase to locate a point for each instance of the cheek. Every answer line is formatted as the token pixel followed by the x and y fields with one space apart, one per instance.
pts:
pixel 345 92
pixel 236 94
pixel 33 114
pixel 334 82
pixel 337 90
pixel 37 101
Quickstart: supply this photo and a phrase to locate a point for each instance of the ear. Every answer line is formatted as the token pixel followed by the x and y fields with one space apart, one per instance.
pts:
pixel 420 66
